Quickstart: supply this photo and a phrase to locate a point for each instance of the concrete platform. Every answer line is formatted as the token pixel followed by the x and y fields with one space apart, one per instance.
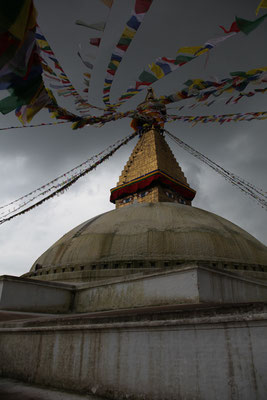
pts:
pixel 192 333
pixel 11 389
pixel 189 284
pixel 153 354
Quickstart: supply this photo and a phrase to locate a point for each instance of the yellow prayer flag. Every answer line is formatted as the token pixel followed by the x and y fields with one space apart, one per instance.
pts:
pixel 157 71
pixel 134 92
pixel 255 70
pixel 128 33
pixel 263 4
pixel 116 62
pixel 42 43
pixel 189 50
pixel 48 69
pixel 229 90
pixel 18 28
pixel 108 3
pixel 197 82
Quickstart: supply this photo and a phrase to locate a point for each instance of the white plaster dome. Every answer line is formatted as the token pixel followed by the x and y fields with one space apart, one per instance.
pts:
pixel 153 234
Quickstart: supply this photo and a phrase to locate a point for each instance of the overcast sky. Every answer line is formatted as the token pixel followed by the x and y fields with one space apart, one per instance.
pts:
pixel 31 157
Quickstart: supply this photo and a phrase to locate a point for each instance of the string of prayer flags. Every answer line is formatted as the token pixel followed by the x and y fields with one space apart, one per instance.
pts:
pixel 61 184
pixel 95 42
pixel 128 34
pixel 248 116
pixel 263 4
pixel 246 187
pixel 33 126
pixel 244 25
pixel 17 18
pixel 202 90
pixel 165 65
pixel 65 87
pixel 20 69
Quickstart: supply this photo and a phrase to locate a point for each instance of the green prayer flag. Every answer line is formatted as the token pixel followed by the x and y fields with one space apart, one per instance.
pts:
pixel 182 59
pixel 10 103
pixel 239 73
pixel 126 96
pixel 248 26
pixel 124 42
pixel 189 82
pixel 20 95
pixel 112 66
pixel 147 77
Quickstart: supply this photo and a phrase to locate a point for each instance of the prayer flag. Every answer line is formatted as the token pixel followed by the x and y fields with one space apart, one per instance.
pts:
pixel 10 11
pixel 142 6
pixel 165 67
pixel 190 50
pixel 263 4
pixel 115 57
pixel 128 33
pixel 234 28
pixel 18 28
pixel 157 71
pixel 147 77
pixel 248 26
pixel 99 26
pixel 108 3
pixel 95 42
pixel 134 23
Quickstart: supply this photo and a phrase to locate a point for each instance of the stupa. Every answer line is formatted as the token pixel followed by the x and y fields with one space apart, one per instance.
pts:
pixel 159 230
pixel 155 300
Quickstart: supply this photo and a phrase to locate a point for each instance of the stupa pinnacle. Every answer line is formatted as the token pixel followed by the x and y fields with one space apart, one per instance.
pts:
pixel 152 173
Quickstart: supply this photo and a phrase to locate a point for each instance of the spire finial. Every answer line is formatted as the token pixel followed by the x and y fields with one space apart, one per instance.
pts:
pixel 150 94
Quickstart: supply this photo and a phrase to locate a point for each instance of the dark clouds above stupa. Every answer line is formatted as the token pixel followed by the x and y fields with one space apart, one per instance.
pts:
pixel 32 157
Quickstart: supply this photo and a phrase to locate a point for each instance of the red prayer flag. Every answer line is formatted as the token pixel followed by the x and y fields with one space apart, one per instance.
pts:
pixel 138 84
pixel 123 47
pixel 95 41
pixel 234 28
pixel 142 6
pixel 169 60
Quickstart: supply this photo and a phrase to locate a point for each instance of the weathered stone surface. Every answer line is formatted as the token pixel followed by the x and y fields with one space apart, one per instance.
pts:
pixel 23 294
pixel 199 354
pixel 153 234
pixel 189 285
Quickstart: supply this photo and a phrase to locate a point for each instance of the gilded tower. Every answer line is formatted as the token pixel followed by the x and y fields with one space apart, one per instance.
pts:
pixel 152 173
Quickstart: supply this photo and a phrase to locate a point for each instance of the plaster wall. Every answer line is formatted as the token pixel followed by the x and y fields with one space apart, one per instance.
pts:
pixel 27 295
pixel 190 284
pixel 194 358
pixel 223 287
pixel 180 287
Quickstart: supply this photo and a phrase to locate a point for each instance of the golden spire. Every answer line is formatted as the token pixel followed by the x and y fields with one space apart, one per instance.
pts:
pixel 152 173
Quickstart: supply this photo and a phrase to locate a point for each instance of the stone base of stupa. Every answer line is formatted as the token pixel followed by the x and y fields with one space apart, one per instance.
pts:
pixel 192 333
